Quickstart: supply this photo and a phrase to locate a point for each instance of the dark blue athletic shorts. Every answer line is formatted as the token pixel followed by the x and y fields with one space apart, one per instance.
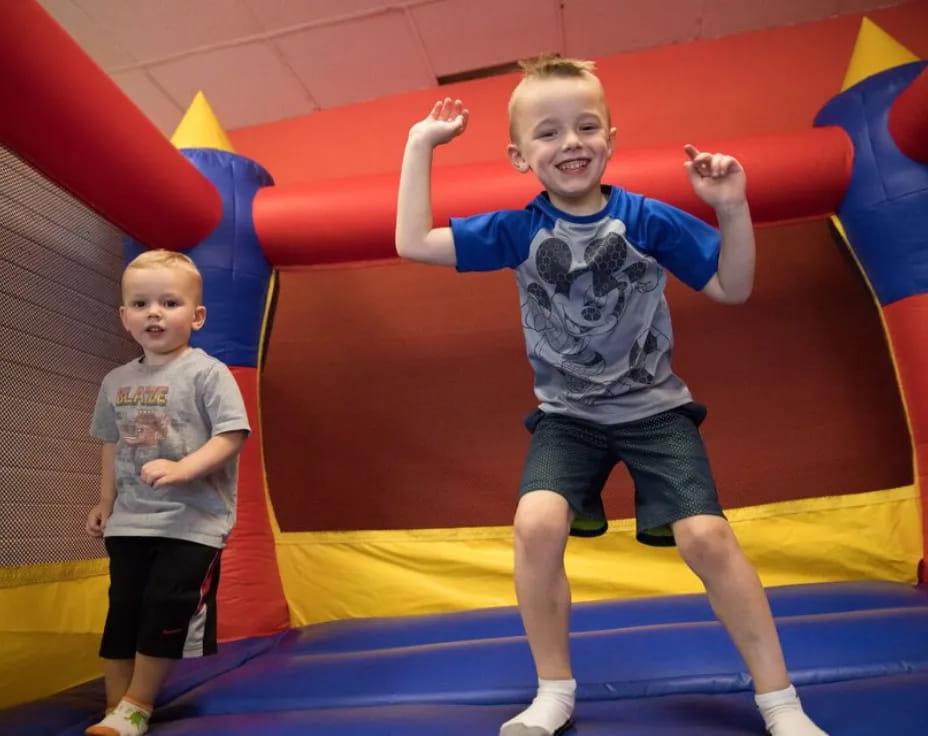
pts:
pixel 664 454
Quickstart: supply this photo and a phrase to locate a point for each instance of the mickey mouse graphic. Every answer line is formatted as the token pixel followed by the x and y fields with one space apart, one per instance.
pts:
pixel 572 309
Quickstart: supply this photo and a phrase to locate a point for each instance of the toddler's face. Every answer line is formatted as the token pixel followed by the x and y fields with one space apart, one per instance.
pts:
pixel 161 307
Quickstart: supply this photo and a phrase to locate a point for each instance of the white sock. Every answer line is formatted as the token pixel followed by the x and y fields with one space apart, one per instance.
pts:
pixel 128 718
pixel 784 716
pixel 550 711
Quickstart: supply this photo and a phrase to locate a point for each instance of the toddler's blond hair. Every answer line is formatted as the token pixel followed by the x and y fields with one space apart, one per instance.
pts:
pixel 161 258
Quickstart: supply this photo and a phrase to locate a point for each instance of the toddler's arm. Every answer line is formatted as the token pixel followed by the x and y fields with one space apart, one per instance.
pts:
pixel 202 461
pixel 416 238
pixel 96 519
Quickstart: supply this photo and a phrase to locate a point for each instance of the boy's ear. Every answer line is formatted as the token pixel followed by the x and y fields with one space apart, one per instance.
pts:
pixel 611 141
pixel 122 317
pixel 199 317
pixel 515 157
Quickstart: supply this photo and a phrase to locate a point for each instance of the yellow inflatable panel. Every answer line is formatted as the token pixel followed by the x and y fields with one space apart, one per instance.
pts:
pixel 50 631
pixel 35 665
pixel 874 535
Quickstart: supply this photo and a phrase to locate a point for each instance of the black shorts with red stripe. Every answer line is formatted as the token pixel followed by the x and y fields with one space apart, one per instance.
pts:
pixel 162 598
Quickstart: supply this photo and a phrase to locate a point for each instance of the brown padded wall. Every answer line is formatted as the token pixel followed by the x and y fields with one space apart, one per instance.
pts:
pixel 59 335
pixel 393 394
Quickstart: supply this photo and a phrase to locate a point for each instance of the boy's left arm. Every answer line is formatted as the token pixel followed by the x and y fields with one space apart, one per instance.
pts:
pixel 719 181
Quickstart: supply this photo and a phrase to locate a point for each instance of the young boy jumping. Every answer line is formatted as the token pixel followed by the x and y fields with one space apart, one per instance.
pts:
pixel 590 262
pixel 172 424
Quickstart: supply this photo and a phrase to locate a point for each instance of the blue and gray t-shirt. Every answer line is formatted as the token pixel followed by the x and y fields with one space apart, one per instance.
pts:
pixel 596 323
pixel 168 411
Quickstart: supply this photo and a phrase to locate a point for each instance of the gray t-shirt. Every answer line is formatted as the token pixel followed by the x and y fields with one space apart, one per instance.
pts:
pixel 596 323
pixel 168 411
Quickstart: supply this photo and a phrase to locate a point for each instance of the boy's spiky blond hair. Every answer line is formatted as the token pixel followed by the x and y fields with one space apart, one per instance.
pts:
pixel 161 258
pixel 553 65
pixel 549 66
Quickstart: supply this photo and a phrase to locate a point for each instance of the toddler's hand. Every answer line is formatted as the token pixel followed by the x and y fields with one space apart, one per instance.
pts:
pixel 447 120
pixel 157 473
pixel 96 519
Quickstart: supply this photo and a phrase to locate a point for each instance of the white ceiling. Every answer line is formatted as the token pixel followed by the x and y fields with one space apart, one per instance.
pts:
pixel 264 60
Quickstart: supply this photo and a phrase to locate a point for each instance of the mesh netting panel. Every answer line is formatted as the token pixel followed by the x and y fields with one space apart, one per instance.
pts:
pixel 59 335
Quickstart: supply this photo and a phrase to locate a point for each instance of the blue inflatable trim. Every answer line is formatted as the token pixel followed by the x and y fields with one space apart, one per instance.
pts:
pixel 236 274
pixel 885 210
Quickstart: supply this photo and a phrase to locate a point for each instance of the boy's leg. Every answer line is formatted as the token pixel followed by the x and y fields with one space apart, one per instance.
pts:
pixel 567 465
pixel 131 712
pixel 675 494
pixel 710 548
pixel 117 674
pixel 178 618
pixel 150 674
pixel 541 528
pixel 130 561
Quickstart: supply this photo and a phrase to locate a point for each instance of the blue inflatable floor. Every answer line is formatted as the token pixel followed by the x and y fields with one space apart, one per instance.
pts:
pixel 858 651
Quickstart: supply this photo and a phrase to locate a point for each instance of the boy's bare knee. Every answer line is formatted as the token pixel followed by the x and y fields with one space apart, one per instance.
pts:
pixel 542 522
pixel 539 535
pixel 706 543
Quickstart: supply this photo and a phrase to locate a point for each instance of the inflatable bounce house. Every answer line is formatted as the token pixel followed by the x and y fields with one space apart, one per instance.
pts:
pixel 366 588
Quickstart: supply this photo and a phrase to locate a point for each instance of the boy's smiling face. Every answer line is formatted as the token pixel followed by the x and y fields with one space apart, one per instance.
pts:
pixel 161 307
pixel 561 132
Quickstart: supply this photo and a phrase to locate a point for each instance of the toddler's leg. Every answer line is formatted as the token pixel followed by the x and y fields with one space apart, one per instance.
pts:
pixel 117 674
pixel 542 525
pixel 130 715
pixel 129 566
pixel 710 548
pixel 150 674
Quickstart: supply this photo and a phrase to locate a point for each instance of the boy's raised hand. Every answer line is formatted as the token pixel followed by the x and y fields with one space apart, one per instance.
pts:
pixel 717 179
pixel 447 120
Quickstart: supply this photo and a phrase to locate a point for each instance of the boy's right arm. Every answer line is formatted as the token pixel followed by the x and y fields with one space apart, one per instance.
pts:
pixel 96 519
pixel 416 238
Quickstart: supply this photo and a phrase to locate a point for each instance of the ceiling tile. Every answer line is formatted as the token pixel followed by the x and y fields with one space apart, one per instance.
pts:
pixel 357 60
pixel 724 17
pixel 102 45
pixel 479 33
pixel 597 28
pixel 263 60
pixel 277 14
pixel 155 29
pixel 861 6
pixel 245 84
pixel 150 99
